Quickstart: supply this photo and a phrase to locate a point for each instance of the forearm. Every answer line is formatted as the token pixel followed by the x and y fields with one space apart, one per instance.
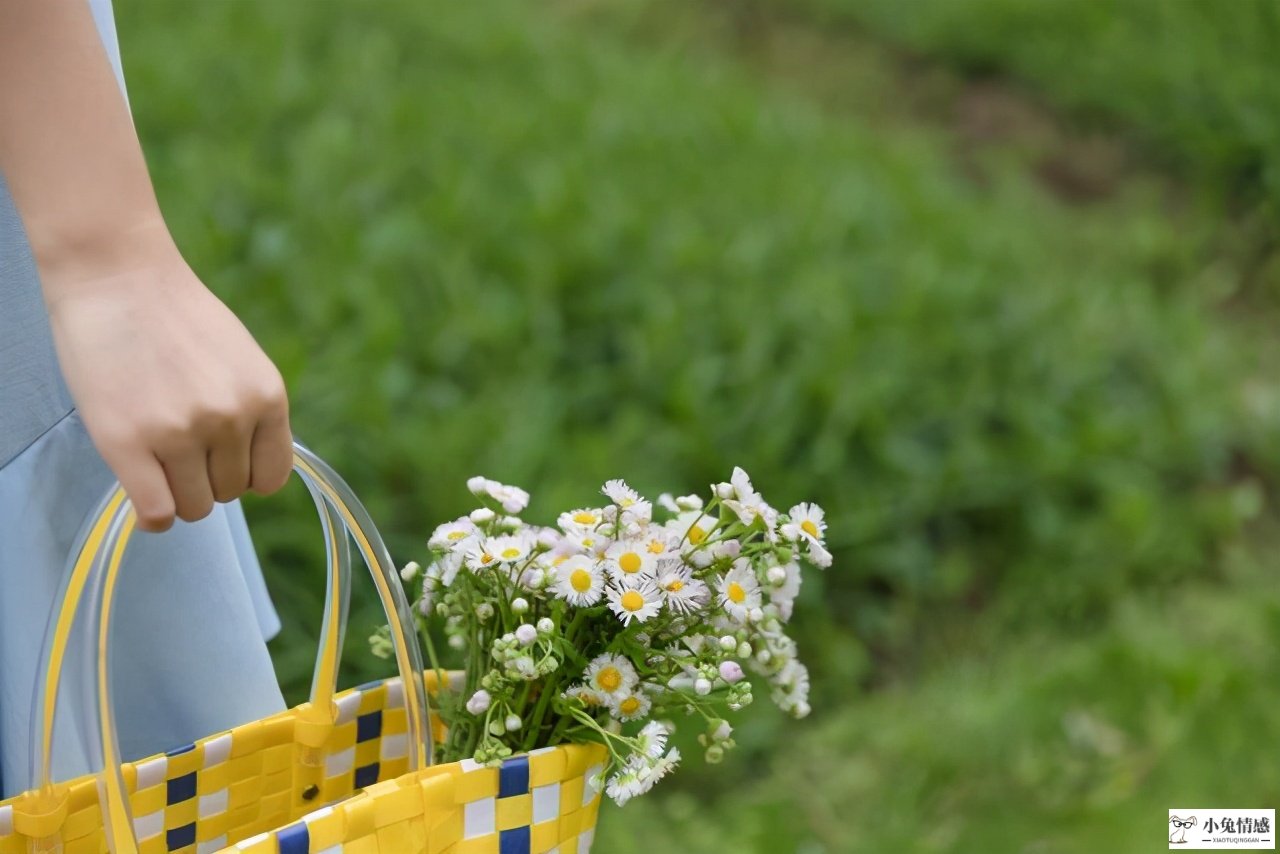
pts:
pixel 68 149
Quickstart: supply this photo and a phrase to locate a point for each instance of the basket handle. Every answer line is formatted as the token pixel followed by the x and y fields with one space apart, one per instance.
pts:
pixel 93 573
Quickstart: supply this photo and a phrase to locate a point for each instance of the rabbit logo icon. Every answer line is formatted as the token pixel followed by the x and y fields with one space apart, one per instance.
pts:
pixel 1179 827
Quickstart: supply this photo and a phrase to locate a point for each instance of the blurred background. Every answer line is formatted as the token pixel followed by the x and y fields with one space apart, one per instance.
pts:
pixel 995 282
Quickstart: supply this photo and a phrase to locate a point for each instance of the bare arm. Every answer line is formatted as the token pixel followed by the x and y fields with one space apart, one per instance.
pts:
pixel 176 395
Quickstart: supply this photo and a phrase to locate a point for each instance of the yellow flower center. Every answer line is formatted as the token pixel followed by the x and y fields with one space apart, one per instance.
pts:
pixel 559 560
pixel 509 554
pixel 582 517
pixel 580 580
pixel 609 679
pixel 809 528
pixel 656 547
pixel 486 558
pixel 632 601
pixel 629 706
pixel 457 535
pixel 630 563
pixel 696 535
pixel 675 586
pixel 736 594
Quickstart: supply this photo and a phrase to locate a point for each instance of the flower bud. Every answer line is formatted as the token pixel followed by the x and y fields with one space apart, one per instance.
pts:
pixel 497 727
pixel 777 576
pixel 457 642
pixel 519 605
pixel 731 671
pixel 724 490
pixel 728 643
pixel 729 548
pixel 477 485
pixel 410 571
pixel 756 615
pixel 722 731
pixel 479 702
pixel 689 502
pixel 512 722
pixel 744 650
pixel 484 612
pixel 526 634
pixel 481 515
pixel 702 686
pixel 548 538
pixel 700 558
pixel 715 754
pixel 546 626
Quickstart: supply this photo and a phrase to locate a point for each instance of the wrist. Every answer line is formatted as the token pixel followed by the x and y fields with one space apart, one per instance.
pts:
pixel 72 260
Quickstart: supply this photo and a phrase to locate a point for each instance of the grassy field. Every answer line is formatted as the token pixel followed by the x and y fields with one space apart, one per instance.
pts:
pixel 562 244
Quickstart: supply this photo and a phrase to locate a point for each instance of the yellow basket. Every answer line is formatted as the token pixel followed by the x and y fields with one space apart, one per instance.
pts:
pixel 347 772
pixel 245 790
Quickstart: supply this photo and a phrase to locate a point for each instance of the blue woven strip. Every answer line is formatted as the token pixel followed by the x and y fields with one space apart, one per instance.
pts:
pixel 181 837
pixel 294 839
pixel 369 727
pixel 513 841
pixel 369 685
pixel 366 775
pixel 178 751
pixel 513 779
pixel 181 788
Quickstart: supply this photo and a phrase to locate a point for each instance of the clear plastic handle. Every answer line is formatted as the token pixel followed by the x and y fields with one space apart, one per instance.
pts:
pixel 91 581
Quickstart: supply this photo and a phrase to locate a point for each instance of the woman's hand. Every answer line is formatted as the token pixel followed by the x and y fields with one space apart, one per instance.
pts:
pixel 178 398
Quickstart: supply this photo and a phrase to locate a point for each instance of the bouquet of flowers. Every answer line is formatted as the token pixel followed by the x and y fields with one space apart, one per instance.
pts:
pixel 608 626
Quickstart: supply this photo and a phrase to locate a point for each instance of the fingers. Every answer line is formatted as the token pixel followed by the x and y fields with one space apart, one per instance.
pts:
pixel 272 452
pixel 143 479
pixel 229 464
pixel 187 473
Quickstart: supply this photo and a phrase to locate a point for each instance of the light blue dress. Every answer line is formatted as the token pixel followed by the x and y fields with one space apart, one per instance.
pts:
pixel 192 613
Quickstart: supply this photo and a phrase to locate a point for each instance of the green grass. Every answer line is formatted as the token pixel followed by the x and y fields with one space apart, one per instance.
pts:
pixel 554 248
pixel 1192 78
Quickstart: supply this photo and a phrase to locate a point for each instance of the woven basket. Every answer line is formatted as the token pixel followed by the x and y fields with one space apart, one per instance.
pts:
pixel 336 774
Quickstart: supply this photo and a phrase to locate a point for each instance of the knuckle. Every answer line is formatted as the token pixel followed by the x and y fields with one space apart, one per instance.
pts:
pixel 196 511
pixel 216 418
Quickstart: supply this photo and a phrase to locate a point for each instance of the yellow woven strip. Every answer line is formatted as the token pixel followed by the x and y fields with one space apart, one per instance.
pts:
pixel 475 785
pixel 546 768
pixel 479 845
pixel 545 836
pixel 515 811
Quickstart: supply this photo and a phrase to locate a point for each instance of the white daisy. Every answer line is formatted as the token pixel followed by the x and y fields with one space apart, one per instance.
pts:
pixel 583 519
pixel 748 504
pixel 588 696
pixel 619 493
pixel 508 549
pixel 445 570
pixel 638 601
pixel 629 560
pixel 658 543
pixel 591 543
pixel 652 739
pixel 611 675
pixel 635 509
pixel 478 556
pixel 680 590
pixel 739 591
pixel 452 534
pixel 629 707
pixel 512 498
pixel 805 521
pixel 579 581
pixel 694 526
